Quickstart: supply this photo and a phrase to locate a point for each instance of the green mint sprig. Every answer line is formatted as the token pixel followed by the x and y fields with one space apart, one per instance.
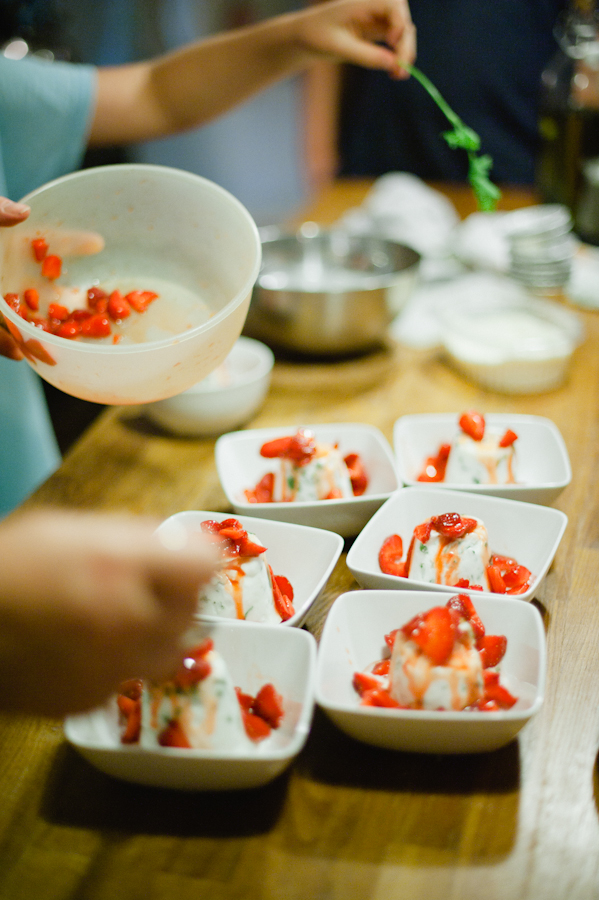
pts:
pixel 462 137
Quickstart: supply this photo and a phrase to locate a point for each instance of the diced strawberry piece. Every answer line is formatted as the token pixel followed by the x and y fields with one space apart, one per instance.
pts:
pixel 51 267
pixel 96 326
pixel 473 424
pixel 13 301
pixel 282 601
pixel 434 632
pixel 492 649
pixel 263 492
pixel 140 300
pixel 496 582
pixel 435 466
pixel 269 705
pixel 382 667
pixel 452 525
pixel 357 474
pixel 508 438
pixel 463 604
pixel 363 681
pixel 130 709
pixel 195 667
pixel 246 701
pixel 299 447
pixel 32 299
pixel 117 307
pixel 516 576
pixel 58 311
pixel 40 249
pixel 422 532
pixel 494 691
pixel 69 329
pixel 174 736
pixel 379 697
pixel 390 556
pixel 255 727
pixel 390 638
pixel 94 294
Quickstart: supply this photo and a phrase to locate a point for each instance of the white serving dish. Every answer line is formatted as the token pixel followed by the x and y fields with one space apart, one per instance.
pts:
pixel 306 556
pixel 228 398
pixel 240 467
pixel 526 532
pixel 255 655
pixel 542 464
pixel 353 638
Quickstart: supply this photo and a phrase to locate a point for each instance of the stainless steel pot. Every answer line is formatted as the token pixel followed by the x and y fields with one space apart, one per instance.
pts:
pixel 327 293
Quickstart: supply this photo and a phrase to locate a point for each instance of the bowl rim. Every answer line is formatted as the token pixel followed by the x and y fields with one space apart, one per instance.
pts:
pixel 123 349
pixel 264 362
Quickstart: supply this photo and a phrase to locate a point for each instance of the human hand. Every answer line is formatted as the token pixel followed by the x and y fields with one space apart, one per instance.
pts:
pixel 87 601
pixel 354 30
pixel 10 214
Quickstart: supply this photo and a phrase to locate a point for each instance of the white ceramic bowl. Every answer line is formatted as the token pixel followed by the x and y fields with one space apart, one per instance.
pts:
pixel 228 398
pixel 306 556
pixel 255 655
pixel 510 344
pixel 524 531
pixel 240 466
pixel 542 464
pixel 164 229
pixel 353 638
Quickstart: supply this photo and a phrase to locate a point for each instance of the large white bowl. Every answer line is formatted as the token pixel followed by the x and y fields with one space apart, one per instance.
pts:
pixel 524 531
pixel 240 466
pixel 226 399
pixel 353 638
pixel 306 556
pixel 542 464
pixel 157 223
pixel 255 655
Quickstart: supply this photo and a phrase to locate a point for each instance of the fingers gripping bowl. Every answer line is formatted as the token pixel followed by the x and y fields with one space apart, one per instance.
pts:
pixel 163 230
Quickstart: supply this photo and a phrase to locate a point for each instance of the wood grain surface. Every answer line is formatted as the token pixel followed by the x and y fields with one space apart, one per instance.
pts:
pixel 347 821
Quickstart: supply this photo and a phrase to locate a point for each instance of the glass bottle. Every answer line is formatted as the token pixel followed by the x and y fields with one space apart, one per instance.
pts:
pixel 568 165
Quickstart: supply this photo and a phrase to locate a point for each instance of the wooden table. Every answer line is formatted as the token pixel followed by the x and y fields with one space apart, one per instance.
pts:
pixel 347 822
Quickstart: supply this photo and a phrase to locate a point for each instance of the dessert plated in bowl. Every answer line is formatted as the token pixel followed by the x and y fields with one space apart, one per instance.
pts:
pixel 128 283
pixel 332 476
pixel 354 641
pixel 211 709
pixel 272 576
pixel 537 460
pixel 454 540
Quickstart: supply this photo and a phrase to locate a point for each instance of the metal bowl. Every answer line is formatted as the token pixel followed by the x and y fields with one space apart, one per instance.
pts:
pixel 327 293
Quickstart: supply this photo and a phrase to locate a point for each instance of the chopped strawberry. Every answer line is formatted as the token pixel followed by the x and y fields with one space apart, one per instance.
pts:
pixel 58 311
pixel 246 701
pixel 379 697
pixel 434 632
pixel 452 525
pixel 516 576
pixel 435 466
pixel 494 691
pixel 282 600
pixel 40 249
pixel 464 583
pixel 117 307
pixel 130 710
pixel 96 326
pixel 174 736
pixel 195 667
pixel 496 582
pixel 473 424
pixel 51 267
pixel 269 705
pixel 299 447
pixel 390 638
pixel 357 474
pixel 255 727
pixel 95 294
pixel 390 555
pixel 508 438
pixel 263 491
pixel 363 682
pixel 382 667
pixel 140 300
pixel 463 604
pixel 492 649
pixel 422 532
pixel 69 329
pixel 32 299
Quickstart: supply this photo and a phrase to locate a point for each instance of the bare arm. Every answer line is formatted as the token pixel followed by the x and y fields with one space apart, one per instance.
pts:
pixel 199 82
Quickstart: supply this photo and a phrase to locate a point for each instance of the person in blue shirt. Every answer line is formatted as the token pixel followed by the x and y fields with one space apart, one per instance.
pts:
pixel 50 112
pixel 87 600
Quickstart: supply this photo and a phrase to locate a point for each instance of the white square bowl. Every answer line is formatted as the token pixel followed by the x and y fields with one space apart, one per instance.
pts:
pixel 524 531
pixel 240 467
pixel 306 556
pixel 255 655
pixel 542 464
pixel 353 638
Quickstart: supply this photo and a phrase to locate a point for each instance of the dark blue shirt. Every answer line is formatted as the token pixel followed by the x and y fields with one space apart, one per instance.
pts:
pixel 486 58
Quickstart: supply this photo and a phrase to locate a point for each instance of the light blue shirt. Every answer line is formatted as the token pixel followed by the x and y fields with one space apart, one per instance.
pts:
pixel 45 112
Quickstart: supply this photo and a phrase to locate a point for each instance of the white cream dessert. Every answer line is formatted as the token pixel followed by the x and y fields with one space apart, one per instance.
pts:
pixel 244 587
pixel 438 557
pixel 200 711
pixel 480 462
pixel 416 681
pixel 325 476
pixel 241 589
